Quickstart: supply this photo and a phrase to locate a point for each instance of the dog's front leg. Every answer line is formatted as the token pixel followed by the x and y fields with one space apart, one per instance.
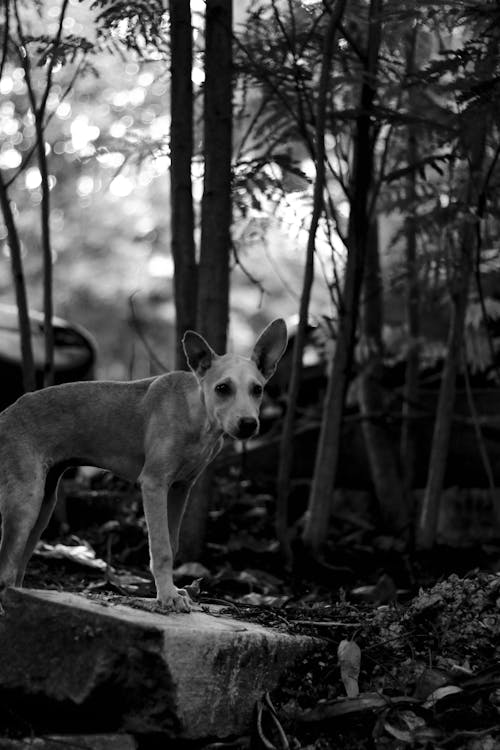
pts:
pixel 155 490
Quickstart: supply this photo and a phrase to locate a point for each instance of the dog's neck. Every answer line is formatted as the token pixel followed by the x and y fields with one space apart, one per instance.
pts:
pixel 212 430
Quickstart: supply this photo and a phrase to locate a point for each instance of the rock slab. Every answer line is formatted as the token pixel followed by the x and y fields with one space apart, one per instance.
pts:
pixel 71 664
pixel 71 742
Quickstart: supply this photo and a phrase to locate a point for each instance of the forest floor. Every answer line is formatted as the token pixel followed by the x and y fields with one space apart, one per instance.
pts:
pixel 414 642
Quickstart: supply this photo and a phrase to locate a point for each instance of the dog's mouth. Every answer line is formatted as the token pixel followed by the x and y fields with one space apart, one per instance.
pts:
pixel 245 429
pixel 242 439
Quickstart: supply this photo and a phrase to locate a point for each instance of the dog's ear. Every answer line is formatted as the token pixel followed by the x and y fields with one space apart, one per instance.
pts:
pixel 198 353
pixel 270 347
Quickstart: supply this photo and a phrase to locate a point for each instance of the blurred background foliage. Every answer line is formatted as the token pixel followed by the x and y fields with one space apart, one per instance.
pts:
pixel 107 146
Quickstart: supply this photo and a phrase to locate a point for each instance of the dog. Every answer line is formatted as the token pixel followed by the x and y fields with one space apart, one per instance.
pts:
pixel 161 431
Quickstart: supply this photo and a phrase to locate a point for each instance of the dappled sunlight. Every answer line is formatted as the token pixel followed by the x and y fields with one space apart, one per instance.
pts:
pixel 10 158
pixel 83 132
pixel 109 176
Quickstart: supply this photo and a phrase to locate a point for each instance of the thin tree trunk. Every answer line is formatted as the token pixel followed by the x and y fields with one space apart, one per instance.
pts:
pixel 428 521
pixel 181 150
pixel 39 115
pixel 427 527
pixel 380 447
pixel 286 445
pixel 48 305
pixel 28 363
pixel 213 267
pixel 410 398
pixel 320 500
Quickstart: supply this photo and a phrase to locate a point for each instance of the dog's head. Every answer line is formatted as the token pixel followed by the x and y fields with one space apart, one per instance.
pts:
pixel 232 385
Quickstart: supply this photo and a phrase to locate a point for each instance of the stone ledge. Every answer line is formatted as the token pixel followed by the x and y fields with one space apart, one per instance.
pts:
pixel 71 664
pixel 72 742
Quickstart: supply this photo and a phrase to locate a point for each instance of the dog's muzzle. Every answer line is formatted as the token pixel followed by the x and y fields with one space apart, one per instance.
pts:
pixel 247 428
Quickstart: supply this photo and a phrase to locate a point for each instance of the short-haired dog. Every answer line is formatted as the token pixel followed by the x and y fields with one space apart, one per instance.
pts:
pixel 161 431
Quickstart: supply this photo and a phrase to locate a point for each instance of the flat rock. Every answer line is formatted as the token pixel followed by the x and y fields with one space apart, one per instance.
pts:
pixel 69 664
pixel 72 742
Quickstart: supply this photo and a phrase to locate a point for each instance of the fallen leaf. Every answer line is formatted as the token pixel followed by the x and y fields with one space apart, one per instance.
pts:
pixel 191 570
pixel 429 681
pixel 81 553
pixel 264 600
pixel 349 655
pixel 441 693
pixel 382 592
pixel 193 589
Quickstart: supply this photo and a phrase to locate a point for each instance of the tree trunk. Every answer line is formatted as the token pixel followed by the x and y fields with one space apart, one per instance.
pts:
pixel 213 272
pixel 286 445
pixel 28 363
pixel 194 525
pixel 410 398
pixel 427 527
pixel 320 500
pixel 48 307
pixel 426 533
pixel 181 150
pixel 380 447
pixel 213 267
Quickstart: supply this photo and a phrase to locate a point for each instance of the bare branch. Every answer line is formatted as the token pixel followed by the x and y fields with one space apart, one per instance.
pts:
pixel 137 326
pixel 57 41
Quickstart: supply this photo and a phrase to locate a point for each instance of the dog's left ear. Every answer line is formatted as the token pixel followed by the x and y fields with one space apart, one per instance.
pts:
pixel 270 347
pixel 198 353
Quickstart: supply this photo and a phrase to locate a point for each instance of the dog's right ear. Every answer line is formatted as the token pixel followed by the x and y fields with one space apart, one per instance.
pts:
pixel 198 353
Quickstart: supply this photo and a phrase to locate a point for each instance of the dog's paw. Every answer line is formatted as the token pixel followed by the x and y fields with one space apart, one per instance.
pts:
pixel 177 601
pixel 164 606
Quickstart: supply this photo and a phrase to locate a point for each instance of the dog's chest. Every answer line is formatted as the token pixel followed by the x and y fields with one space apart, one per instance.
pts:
pixel 195 456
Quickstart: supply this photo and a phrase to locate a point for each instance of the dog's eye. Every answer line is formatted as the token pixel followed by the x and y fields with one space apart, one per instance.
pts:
pixel 223 389
pixel 257 391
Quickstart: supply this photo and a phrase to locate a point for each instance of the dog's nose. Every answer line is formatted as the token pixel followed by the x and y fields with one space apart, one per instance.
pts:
pixel 247 426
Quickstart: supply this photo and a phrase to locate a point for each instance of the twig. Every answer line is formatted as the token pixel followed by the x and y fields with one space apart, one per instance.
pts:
pixel 255 281
pixel 265 707
pixel 470 733
pixel 326 623
pixel 140 333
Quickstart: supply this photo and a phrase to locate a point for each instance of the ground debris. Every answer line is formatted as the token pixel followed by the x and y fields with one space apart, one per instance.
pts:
pixel 430 672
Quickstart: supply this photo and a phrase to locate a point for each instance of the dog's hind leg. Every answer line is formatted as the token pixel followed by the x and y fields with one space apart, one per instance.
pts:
pixel 48 504
pixel 20 506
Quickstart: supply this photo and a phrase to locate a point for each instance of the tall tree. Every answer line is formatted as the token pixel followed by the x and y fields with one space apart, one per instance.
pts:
pixel 216 215
pixel 181 151
pixel 39 56
pixel 286 445
pixel 380 446
pixel 410 399
pixel 213 270
pixel 54 53
pixel 473 126
pixel 320 500
pixel 459 295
